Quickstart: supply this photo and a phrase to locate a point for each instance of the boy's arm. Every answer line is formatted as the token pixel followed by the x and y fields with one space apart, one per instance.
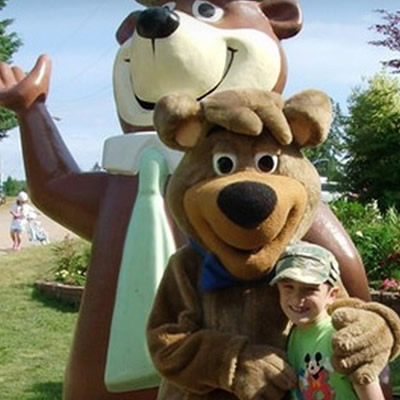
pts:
pixel 369 391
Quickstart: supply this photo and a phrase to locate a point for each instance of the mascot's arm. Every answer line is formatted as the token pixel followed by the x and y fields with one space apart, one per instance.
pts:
pixel 200 360
pixel 367 337
pixel 55 182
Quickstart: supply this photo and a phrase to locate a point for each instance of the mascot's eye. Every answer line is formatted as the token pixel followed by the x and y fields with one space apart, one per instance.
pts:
pixel 224 163
pixel 266 162
pixel 207 11
pixel 171 5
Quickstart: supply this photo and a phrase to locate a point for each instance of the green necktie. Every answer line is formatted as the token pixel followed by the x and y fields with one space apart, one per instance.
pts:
pixel 148 245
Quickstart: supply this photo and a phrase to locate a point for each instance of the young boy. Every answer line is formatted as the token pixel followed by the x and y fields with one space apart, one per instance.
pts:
pixel 307 277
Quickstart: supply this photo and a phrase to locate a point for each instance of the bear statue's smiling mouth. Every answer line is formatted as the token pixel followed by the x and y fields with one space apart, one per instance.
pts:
pixel 150 106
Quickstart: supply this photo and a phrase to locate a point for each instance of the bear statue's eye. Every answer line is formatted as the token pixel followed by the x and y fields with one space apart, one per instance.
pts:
pixel 266 162
pixel 224 163
pixel 171 5
pixel 206 11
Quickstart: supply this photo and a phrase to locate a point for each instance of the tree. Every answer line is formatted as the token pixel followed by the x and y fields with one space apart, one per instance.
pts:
pixel 328 158
pixel 373 141
pixel 9 44
pixel 391 33
pixel 13 186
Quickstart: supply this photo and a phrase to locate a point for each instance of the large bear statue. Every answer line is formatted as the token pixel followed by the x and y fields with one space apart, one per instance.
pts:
pixel 197 47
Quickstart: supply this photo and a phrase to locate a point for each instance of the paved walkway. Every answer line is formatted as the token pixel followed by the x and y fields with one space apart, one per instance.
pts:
pixel 55 231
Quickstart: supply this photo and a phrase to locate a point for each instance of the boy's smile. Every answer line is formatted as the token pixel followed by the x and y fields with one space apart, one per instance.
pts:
pixel 304 303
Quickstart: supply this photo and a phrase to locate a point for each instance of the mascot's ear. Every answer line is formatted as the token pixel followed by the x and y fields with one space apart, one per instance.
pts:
pixel 309 114
pixel 285 17
pixel 126 29
pixel 179 121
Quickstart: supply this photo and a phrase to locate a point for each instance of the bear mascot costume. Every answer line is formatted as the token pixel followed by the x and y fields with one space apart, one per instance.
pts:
pixel 193 46
pixel 242 192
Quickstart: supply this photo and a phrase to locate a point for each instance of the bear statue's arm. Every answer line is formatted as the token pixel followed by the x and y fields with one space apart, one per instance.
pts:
pixel 56 184
pixel 367 337
pixel 328 232
pixel 197 359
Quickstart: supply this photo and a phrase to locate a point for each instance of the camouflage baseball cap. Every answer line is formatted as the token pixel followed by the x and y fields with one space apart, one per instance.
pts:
pixel 307 263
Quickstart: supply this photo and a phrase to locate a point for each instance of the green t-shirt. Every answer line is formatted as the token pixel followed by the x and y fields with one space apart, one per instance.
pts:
pixel 309 352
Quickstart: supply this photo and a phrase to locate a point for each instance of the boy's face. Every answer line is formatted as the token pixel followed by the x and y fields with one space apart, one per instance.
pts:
pixel 303 303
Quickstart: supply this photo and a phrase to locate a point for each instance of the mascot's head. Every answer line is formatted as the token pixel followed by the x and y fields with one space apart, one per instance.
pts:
pixel 198 47
pixel 243 189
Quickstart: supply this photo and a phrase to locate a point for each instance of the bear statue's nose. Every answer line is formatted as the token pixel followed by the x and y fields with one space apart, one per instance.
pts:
pixel 247 203
pixel 157 23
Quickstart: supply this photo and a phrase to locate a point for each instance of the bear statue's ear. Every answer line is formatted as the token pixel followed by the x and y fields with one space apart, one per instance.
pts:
pixel 309 114
pixel 285 17
pixel 179 121
pixel 127 27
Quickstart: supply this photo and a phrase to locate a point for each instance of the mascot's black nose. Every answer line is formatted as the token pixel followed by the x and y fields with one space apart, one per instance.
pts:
pixel 247 203
pixel 157 23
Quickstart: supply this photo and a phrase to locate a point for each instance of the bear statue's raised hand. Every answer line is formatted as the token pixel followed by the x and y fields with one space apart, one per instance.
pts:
pixel 262 373
pixel 19 91
pixel 368 335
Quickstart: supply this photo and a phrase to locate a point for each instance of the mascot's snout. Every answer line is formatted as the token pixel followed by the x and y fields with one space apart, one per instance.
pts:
pixel 247 204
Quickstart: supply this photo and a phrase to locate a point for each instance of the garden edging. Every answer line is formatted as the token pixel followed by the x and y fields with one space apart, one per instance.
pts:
pixel 390 299
pixel 65 293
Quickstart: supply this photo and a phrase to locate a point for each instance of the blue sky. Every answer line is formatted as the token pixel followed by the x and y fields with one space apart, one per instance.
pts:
pixel 331 54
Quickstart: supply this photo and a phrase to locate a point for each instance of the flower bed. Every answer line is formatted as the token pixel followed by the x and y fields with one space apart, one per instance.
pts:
pixel 65 293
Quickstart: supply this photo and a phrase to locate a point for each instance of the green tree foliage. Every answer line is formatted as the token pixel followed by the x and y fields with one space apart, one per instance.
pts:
pixel 390 30
pixel 373 141
pixel 13 186
pixel 9 44
pixel 328 158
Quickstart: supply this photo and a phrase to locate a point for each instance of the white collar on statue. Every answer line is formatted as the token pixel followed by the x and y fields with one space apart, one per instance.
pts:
pixel 121 153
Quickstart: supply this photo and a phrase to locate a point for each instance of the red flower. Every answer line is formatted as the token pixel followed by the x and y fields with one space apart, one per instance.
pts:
pixel 390 284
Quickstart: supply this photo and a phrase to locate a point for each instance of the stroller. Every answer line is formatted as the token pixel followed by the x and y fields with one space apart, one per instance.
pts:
pixel 36 233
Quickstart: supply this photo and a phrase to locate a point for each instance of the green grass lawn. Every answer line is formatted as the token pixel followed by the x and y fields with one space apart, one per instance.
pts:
pixel 35 333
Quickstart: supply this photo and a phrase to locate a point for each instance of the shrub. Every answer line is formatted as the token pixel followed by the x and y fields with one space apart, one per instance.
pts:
pixel 71 261
pixel 376 235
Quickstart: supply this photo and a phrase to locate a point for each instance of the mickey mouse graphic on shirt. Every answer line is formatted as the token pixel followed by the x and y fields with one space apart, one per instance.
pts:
pixel 316 377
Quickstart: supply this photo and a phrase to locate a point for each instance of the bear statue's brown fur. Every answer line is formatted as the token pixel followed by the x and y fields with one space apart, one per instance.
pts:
pixel 242 192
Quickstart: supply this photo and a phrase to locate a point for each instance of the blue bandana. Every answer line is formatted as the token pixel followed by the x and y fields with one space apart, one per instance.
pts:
pixel 215 276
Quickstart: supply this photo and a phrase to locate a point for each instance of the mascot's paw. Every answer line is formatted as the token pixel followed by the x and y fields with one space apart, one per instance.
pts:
pixel 262 373
pixel 367 337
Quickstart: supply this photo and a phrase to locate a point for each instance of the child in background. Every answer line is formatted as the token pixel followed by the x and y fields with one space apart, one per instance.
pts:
pixel 307 277
pixel 19 210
